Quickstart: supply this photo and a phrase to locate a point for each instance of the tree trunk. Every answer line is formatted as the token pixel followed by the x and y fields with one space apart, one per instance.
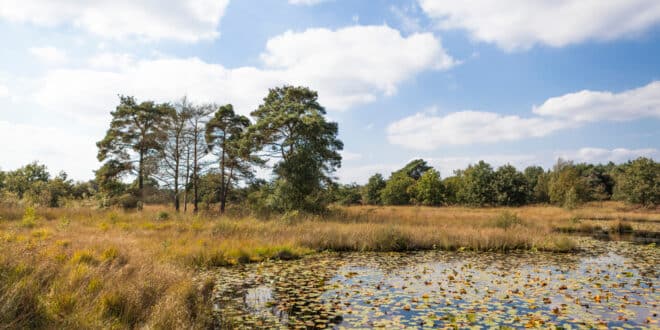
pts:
pixel 195 174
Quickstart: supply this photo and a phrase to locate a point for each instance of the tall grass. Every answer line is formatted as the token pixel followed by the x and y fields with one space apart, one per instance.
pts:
pixel 79 267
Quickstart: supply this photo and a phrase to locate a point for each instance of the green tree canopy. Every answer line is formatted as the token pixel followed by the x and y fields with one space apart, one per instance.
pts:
pixel 291 125
pixel 414 169
pixel 397 190
pixel 226 138
pixel 135 136
pixel 510 186
pixel 639 182
pixel 23 179
pixel 428 190
pixel 477 185
pixel 371 191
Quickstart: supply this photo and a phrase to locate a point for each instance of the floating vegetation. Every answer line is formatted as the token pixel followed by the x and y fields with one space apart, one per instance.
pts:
pixel 609 284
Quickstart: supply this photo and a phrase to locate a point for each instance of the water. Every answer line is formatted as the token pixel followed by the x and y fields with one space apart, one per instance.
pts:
pixel 610 284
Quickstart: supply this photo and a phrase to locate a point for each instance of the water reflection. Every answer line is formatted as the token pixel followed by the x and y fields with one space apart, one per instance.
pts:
pixel 610 284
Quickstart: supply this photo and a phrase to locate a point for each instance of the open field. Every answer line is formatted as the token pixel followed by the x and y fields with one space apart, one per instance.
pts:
pixel 81 267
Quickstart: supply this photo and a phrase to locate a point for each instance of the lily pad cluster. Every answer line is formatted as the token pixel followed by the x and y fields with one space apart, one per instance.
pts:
pixel 609 284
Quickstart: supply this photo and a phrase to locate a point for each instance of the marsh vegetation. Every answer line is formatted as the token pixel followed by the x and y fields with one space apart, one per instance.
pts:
pixel 85 267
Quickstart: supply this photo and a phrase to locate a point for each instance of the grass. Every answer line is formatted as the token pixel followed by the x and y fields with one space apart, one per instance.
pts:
pixel 79 267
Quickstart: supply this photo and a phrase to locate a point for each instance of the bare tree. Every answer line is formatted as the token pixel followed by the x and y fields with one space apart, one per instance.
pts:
pixel 195 150
pixel 174 149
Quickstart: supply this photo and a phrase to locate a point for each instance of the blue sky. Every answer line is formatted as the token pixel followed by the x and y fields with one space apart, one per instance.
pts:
pixel 451 82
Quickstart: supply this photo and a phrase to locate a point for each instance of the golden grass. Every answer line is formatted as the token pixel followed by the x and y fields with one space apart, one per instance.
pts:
pixel 86 268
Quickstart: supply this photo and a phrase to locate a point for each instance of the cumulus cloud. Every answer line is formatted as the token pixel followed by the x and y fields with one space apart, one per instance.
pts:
pixel 600 155
pixel 48 54
pixel 595 105
pixel 348 67
pixel 426 131
pixel 423 131
pixel 352 65
pixel 55 147
pixel 189 21
pixel 111 61
pixel 521 24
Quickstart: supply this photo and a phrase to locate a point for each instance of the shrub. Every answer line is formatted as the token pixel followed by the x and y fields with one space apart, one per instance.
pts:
pixel 506 220
pixel 162 215
pixel 29 217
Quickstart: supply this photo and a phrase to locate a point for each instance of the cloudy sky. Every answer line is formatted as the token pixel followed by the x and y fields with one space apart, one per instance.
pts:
pixel 514 81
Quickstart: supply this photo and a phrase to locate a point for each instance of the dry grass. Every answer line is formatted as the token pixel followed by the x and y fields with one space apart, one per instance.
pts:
pixel 86 268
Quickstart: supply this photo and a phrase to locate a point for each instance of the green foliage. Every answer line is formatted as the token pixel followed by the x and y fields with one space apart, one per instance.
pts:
pixel 414 169
pixel 226 137
pixel 24 179
pixel 291 126
pixel 566 187
pixel 537 184
pixel 397 190
pixel 428 189
pixel 347 194
pixel 451 186
pixel 135 136
pixel 372 190
pixel 639 182
pixel 510 186
pixel 476 186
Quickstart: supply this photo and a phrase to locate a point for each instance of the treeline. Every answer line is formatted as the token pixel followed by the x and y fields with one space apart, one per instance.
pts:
pixel 566 184
pixel 205 155
pixel 199 155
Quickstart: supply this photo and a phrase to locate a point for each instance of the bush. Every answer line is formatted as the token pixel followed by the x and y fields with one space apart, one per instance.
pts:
pixel 507 220
pixel 162 215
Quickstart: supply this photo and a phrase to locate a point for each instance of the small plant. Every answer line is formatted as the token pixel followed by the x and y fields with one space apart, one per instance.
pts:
pixel 162 216
pixel 506 220
pixel 29 218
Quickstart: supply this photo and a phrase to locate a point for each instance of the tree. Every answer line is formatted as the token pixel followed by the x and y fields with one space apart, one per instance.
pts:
pixel 566 187
pixel 291 126
pixel 347 194
pixel 510 186
pixel 536 184
pixel 414 169
pixel 108 179
pixel 371 191
pixel 226 138
pixel 451 185
pixel 2 180
pixel 639 182
pixel 397 190
pixel 26 179
pixel 428 189
pixel 196 150
pixel 135 135
pixel 173 149
pixel 477 185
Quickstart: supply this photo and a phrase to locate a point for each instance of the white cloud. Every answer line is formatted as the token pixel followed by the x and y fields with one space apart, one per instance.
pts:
pixel 4 91
pixel 521 24
pixel 347 67
pixel 189 21
pixel 599 155
pixel 588 105
pixel 427 131
pixel 423 131
pixel 48 54
pixel 407 17
pixel 306 2
pixel 111 61
pixel 351 65
pixel 348 156
pixel 57 148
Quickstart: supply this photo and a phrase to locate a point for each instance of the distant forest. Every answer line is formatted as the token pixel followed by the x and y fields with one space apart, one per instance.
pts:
pixel 205 157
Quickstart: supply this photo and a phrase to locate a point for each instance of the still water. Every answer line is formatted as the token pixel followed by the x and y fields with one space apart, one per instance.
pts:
pixel 607 285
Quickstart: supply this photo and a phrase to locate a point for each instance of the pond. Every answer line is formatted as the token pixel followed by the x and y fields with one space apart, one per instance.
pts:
pixel 608 284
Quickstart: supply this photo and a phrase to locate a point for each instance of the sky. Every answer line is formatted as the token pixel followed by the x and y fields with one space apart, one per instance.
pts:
pixel 452 82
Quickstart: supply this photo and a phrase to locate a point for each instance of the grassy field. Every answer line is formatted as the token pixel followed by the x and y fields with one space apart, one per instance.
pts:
pixel 81 267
